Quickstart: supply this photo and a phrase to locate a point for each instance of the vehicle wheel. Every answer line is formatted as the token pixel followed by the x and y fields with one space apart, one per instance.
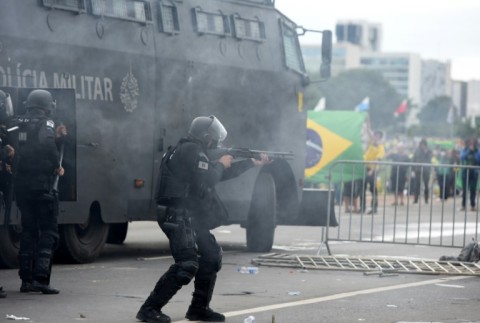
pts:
pixel 117 233
pixel 262 215
pixel 83 243
pixel 9 246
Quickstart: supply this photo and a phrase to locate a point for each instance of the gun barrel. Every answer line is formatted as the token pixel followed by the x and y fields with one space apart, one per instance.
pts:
pixel 248 153
pixel 274 154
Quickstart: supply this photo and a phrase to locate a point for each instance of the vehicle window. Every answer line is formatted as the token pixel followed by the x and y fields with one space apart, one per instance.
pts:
pixel 291 48
pixel 168 17
pixel 135 10
pixel 248 28
pixel 73 5
pixel 210 22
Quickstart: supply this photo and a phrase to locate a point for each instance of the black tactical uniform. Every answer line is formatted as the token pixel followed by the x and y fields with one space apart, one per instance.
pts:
pixel 5 159
pixel 38 160
pixel 188 208
pixel 6 154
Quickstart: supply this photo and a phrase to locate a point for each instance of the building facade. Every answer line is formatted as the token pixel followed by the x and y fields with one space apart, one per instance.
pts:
pixel 473 98
pixel 401 70
pixel 358 45
pixel 436 80
pixel 367 36
pixel 459 97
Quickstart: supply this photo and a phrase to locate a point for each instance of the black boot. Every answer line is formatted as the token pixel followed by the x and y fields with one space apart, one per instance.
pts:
pixel 149 314
pixel 44 288
pixel 164 290
pixel 199 310
pixel 26 286
pixel 205 314
pixel 41 273
pixel 3 293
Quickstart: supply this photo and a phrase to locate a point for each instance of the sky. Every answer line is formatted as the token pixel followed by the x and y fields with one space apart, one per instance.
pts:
pixel 435 29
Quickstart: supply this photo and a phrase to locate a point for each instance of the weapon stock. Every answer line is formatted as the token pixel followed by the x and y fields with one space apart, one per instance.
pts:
pixel 215 154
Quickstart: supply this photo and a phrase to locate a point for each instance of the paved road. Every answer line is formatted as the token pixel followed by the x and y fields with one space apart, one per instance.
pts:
pixel 113 288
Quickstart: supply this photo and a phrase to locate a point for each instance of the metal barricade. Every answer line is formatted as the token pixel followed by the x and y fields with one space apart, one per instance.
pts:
pixel 432 212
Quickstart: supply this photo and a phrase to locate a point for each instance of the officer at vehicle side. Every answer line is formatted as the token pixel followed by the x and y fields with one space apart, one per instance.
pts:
pixel 38 165
pixel 6 157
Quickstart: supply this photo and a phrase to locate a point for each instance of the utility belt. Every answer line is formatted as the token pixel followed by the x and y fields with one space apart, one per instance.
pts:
pixel 170 217
pixel 176 223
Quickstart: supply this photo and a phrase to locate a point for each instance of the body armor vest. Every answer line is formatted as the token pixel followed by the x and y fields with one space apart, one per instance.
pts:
pixel 171 189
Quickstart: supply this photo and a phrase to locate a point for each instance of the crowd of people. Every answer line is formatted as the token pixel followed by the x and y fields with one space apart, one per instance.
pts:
pixel 414 167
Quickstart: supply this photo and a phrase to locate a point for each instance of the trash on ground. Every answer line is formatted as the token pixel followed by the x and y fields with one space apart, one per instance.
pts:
pixel 17 318
pixel 250 319
pixel 294 293
pixel 248 270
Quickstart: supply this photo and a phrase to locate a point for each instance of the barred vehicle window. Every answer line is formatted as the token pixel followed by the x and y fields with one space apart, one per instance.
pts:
pixel 210 22
pixel 168 17
pixel 248 28
pixel 134 10
pixel 73 5
pixel 291 48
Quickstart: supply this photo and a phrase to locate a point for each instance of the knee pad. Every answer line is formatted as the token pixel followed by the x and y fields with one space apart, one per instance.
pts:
pixel 212 262
pixel 186 271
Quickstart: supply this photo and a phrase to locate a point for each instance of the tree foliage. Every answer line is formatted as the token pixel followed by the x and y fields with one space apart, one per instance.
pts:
pixel 348 89
pixel 433 114
pixel 435 111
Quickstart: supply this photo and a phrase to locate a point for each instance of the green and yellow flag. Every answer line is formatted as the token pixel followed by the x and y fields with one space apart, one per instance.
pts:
pixel 331 136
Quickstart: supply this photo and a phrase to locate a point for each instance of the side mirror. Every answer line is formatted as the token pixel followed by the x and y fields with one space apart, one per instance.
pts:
pixel 326 54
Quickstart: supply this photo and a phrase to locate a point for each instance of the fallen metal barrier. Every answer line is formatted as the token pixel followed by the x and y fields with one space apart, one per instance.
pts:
pixel 369 265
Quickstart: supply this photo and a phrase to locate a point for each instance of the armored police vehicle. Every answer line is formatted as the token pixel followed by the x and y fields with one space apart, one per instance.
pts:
pixel 128 76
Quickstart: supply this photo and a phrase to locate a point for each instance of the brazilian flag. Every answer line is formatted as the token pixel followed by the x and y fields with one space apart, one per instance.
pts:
pixel 331 136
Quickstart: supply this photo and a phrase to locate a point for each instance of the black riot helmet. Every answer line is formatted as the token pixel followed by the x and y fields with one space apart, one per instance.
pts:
pixel 40 99
pixel 6 108
pixel 208 130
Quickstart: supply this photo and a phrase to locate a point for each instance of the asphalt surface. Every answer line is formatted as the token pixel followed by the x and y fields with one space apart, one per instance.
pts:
pixel 113 288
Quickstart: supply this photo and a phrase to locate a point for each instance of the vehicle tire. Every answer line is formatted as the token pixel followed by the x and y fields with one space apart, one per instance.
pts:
pixel 262 215
pixel 117 233
pixel 83 243
pixel 9 246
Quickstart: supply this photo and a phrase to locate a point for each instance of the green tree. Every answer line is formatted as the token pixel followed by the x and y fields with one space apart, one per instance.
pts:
pixel 348 89
pixel 435 111
pixel 433 114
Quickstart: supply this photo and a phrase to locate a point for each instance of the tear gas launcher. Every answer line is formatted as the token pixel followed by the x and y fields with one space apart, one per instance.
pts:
pixel 215 154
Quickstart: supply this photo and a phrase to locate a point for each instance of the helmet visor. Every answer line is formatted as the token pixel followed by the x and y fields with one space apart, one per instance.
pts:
pixel 217 131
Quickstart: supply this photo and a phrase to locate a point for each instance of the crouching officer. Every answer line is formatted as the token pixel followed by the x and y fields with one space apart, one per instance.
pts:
pixel 189 208
pixel 38 165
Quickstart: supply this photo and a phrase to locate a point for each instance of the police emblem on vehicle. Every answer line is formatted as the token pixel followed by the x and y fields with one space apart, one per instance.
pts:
pixel 129 92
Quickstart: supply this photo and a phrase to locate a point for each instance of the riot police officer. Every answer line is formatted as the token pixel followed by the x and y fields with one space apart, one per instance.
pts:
pixel 188 208
pixel 7 152
pixel 38 164
pixel 6 158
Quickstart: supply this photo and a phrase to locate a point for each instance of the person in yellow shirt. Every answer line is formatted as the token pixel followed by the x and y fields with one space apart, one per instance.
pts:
pixel 375 152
